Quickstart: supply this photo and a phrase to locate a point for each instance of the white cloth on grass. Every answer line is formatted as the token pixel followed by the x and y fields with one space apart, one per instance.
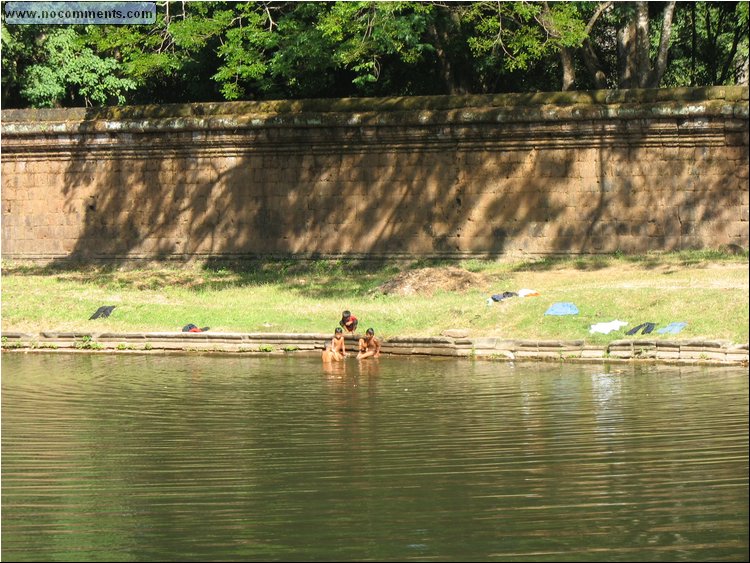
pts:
pixel 606 328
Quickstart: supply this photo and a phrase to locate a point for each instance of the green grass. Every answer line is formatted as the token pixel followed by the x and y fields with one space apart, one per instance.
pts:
pixel 708 290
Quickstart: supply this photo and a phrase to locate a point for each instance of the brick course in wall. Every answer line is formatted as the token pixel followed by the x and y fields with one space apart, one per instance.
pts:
pixel 580 172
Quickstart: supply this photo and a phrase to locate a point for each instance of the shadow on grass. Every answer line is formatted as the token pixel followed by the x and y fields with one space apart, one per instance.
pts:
pixel 324 278
pixel 311 278
pixel 693 258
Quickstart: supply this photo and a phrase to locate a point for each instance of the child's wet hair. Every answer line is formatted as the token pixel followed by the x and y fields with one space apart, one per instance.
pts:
pixel 338 330
pixel 370 331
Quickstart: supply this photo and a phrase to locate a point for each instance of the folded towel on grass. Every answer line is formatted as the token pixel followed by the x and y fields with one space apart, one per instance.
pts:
pixel 672 328
pixel 562 308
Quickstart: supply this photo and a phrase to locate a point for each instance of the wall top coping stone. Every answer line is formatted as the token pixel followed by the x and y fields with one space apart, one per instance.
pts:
pixel 671 98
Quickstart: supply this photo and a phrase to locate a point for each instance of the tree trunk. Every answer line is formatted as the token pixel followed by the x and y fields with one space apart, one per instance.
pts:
pixel 626 51
pixel 660 65
pixel 642 62
pixel 633 45
pixel 593 65
pixel 692 44
pixel 743 73
pixel 441 34
pixel 568 69
pixel 732 54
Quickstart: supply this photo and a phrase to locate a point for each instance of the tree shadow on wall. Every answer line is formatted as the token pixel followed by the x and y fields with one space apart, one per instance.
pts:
pixel 368 192
pixel 308 200
pixel 653 184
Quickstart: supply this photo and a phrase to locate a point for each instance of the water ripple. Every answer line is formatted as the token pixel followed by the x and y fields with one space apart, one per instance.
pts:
pixel 203 458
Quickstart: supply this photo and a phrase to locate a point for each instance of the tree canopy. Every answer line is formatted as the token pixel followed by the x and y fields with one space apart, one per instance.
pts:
pixel 213 51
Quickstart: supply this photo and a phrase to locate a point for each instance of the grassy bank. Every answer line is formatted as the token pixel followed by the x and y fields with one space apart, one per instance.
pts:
pixel 708 291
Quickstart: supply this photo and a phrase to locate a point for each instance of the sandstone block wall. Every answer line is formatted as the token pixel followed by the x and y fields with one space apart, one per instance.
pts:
pixel 581 172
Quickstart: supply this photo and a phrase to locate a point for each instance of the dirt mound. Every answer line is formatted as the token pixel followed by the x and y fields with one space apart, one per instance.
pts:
pixel 425 281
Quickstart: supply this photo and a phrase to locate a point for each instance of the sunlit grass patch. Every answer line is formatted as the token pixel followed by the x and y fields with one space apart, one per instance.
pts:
pixel 709 291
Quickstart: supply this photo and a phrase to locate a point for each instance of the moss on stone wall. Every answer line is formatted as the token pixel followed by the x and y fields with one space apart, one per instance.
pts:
pixel 676 96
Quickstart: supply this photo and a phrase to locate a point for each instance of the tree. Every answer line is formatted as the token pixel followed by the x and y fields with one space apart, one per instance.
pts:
pixel 710 46
pixel 636 66
pixel 634 44
pixel 175 58
pixel 67 69
pixel 517 35
pixel 210 51
pixel 367 33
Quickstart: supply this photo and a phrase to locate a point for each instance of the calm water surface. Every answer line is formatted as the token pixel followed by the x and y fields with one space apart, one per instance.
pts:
pixel 195 458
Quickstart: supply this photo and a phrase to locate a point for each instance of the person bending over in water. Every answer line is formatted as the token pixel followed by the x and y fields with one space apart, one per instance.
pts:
pixel 337 342
pixel 328 354
pixel 369 347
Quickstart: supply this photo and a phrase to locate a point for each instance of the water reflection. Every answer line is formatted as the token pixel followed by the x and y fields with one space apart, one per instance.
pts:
pixel 335 370
pixel 206 458
pixel 338 370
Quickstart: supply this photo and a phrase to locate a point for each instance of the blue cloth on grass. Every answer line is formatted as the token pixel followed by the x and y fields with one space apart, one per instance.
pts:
pixel 562 308
pixel 672 328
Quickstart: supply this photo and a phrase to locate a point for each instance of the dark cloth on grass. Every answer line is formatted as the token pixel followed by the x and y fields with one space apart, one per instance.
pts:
pixel 102 312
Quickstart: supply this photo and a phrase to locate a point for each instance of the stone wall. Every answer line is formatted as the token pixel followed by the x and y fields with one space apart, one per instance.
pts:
pixel 637 349
pixel 580 172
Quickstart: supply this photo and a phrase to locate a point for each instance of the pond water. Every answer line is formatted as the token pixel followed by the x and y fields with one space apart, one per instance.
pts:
pixel 197 458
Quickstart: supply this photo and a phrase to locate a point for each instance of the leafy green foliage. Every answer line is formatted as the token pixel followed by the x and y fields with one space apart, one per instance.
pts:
pixel 366 32
pixel 211 51
pixel 711 44
pixel 72 69
pixel 516 34
pixel 243 50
